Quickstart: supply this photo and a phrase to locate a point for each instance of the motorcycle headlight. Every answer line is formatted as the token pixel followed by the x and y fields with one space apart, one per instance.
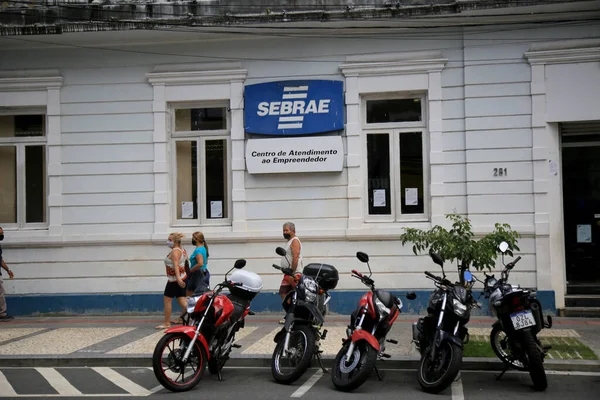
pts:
pixel 459 308
pixel 383 310
pixel 310 289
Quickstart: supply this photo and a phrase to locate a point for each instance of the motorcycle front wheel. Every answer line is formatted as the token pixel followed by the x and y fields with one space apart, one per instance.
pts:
pixel 436 375
pixel 347 376
pixel 288 367
pixel 170 370
pixel 535 362
pixel 500 344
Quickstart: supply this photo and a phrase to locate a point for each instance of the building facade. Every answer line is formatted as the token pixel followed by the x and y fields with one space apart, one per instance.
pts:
pixel 112 140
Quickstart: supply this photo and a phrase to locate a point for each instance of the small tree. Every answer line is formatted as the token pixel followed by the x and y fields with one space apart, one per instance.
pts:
pixel 458 243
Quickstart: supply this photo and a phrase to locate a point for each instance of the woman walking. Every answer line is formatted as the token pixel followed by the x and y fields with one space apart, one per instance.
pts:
pixel 175 268
pixel 199 275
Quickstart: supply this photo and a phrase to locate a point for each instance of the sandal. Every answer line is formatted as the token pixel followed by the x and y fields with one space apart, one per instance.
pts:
pixel 163 326
pixel 178 321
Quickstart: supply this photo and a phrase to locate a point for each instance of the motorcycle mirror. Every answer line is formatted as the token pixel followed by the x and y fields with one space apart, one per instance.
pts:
pixel 437 259
pixel 468 276
pixel 503 247
pixel 239 264
pixel 281 251
pixel 363 257
pixel 411 295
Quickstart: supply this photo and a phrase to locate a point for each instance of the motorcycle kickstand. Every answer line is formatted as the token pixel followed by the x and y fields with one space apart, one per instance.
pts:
pixel 498 377
pixel 379 374
pixel 318 355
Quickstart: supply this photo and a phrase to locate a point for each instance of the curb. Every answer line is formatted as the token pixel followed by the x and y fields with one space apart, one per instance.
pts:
pixel 469 363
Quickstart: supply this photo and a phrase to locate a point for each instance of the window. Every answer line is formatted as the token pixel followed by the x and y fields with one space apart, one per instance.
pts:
pixel 201 146
pixel 23 164
pixel 396 158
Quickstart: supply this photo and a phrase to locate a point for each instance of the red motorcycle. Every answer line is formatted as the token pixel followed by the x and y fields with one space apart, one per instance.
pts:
pixel 369 325
pixel 208 333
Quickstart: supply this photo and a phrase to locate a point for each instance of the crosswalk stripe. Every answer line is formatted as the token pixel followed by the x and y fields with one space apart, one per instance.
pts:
pixel 58 382
pixel 122 382
pixel 5 388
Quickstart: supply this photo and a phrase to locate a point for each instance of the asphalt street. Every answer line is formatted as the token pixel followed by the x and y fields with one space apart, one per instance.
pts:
pixel 257 383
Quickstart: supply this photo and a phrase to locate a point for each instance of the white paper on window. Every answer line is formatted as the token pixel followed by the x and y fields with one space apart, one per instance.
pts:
pixel 411 196
pixel 379 198
pixel 584 233
pixel 187 209
pixel 216 209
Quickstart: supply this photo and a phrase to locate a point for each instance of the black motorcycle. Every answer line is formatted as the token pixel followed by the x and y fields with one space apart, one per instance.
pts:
pixel 305 307
pixel 440 335
pixel 514 334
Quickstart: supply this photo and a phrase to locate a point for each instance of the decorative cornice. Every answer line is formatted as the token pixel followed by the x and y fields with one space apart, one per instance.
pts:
pixel 196 77
pixel 401 67
pixel 30 80
pixel 560 56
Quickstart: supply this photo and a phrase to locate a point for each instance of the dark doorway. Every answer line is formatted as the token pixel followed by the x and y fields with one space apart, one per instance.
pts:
pixel 581 202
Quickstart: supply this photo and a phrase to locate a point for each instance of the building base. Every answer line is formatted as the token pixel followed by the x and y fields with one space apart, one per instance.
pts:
pixel 342 302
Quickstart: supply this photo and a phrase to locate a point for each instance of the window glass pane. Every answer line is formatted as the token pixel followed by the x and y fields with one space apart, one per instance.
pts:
pixel 411 173
pixel 29 125
pixel 35 184
pixel 187 179
pixel 8 184
pixel 378 159
pixel 216 173
pixel 22 125
pixel 397 110
pixel 200 119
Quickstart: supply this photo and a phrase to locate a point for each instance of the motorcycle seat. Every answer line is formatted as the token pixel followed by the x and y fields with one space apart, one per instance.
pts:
pixel 239 305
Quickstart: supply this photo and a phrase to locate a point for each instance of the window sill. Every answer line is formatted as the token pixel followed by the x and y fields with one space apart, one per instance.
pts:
pixel 387 222
pixel 197 224
pixel 385 230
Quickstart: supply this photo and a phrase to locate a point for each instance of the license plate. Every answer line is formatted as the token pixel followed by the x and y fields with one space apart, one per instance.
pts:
pixel 522 320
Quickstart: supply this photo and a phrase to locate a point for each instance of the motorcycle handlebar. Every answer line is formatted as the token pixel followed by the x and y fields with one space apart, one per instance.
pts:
pixel 511 265
pixel 287 271
pixel 429 274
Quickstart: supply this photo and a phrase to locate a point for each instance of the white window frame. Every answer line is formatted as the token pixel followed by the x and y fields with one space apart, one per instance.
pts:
pixel 20 143
pixel 394 130
pixel 201 137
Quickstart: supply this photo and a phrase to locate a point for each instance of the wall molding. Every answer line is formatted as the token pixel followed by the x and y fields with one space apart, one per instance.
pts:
pixel 562 56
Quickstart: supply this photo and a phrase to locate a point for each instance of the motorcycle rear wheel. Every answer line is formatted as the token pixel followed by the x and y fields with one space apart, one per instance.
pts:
pixel 450 356
pixel 535 362
pixel 302 345
pixel 349 377
pixel 168 353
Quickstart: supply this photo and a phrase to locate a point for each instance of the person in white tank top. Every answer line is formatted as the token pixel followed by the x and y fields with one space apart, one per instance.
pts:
pixel 292 259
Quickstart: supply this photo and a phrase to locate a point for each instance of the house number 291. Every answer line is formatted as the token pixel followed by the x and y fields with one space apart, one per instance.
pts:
pixel 500 172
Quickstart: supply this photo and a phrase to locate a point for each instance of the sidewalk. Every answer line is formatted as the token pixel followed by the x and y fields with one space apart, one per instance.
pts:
pixel 130 340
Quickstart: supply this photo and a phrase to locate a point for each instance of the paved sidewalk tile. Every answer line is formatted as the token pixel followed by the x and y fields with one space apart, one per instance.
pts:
pixel 543 333
pixel 146 345
pixel 61 341
pixel 14 333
